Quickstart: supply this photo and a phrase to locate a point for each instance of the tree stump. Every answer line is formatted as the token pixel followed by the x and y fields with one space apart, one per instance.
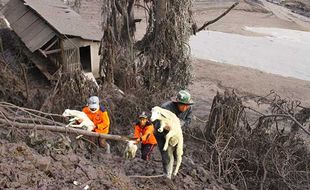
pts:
pixel 224 115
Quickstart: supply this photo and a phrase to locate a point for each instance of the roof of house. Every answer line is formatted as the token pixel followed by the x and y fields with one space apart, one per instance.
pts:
pixel 65 20
pixel 38 21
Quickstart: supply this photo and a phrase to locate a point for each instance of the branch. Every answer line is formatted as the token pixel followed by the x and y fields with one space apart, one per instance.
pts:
pixel 130 6
pixel 138 5
pixel 218 18
pixel 196 138
pixel 145 176
pixel 62 129
pixel 287 115
pixel 119 7
pixel 265 170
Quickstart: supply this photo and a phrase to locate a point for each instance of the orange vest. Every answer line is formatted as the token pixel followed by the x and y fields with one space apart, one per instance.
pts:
pixel 145 133
pixel 100 119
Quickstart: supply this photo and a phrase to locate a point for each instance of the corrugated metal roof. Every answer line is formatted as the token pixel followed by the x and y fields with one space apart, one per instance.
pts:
pixel 32 30
pixel 65 20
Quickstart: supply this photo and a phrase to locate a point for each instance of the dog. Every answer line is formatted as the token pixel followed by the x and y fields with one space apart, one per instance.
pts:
pixel 78 117
pixel 131 149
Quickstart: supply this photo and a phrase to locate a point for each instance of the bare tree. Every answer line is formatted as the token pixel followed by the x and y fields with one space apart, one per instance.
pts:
pixel 160 58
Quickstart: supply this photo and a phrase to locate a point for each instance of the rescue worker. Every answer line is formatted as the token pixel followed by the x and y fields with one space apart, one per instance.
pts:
pixel 99 116
pixel 181 106
pixel 144 133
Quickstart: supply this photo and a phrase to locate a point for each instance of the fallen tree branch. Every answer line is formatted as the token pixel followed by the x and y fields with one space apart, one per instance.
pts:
pixel 63 129
pixel 29 111
pixel 218 18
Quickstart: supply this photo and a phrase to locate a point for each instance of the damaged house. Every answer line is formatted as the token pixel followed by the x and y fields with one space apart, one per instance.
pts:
pixel 56 36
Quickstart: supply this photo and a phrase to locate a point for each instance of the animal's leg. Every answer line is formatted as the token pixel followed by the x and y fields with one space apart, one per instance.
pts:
pixel 173 141
pixel 168 136
pixel 171 161
pixel 161 128
pixel 70 124
pixel 78 126
pixel 179 153
pixel 73 119
pixel 179 161
pixel 133 154
pixel 126 154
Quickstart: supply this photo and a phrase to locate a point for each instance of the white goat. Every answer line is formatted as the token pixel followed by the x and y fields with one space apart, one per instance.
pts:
pixel 78 116
pixel 131 149
pixel 174 138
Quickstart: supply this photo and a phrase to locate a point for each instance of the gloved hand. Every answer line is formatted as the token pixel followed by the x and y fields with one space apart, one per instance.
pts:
pixel 94 130
pixel 138 140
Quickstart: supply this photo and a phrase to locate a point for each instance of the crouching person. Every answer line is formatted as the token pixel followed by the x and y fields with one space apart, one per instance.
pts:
pixel 144 130
pixel 99 116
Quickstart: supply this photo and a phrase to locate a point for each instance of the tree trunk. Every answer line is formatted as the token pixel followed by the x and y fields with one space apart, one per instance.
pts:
pixel 165 46
pixel 224 116
pixel 62 129
pixel 162 56
pixel 117 55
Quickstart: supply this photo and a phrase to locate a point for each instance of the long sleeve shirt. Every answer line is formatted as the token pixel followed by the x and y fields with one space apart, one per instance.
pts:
pixel 100 119
pixel 146 134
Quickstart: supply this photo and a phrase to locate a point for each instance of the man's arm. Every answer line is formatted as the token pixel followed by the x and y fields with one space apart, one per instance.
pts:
pixel 148 132
pixel 187 120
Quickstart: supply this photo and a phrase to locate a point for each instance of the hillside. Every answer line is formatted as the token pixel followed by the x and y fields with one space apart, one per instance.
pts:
pixel 240 138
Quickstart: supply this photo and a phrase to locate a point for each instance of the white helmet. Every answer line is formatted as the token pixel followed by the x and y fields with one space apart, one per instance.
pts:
pixel 93 103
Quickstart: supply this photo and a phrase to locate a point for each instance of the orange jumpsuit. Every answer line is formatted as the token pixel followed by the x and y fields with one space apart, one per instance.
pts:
pixel 147 138
pixel 145 133
pixel 100 119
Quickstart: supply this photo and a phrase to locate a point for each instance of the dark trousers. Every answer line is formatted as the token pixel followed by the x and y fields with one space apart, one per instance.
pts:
pixel 146 150
pixel 161 140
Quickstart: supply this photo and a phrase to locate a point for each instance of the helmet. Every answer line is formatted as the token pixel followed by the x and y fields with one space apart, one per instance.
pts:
pixel 183 97
pixel 143 115
pixel 93 103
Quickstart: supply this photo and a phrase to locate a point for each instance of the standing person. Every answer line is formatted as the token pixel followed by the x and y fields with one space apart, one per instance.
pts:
pixel 144 130
pixel 99 116
pixel 181 106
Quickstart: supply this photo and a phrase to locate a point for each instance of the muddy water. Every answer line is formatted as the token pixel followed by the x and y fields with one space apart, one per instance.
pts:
pixel 278 51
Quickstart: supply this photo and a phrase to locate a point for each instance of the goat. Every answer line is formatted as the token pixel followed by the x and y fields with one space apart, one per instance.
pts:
pixel 131 149
pixel 78 116
pixel 174 138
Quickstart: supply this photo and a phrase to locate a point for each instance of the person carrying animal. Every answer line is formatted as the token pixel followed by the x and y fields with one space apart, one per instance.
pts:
pixel 174 138
pixel 99 116
pixel 144 133
pixel 181 106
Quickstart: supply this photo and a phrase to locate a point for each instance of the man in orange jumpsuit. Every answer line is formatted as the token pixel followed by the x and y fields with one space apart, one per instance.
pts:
pixel 144 130
pixel 99 116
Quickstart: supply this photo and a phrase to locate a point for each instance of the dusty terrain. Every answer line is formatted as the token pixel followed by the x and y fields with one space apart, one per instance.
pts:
pixel 297 6
pixel 46 161
pixel 211 77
